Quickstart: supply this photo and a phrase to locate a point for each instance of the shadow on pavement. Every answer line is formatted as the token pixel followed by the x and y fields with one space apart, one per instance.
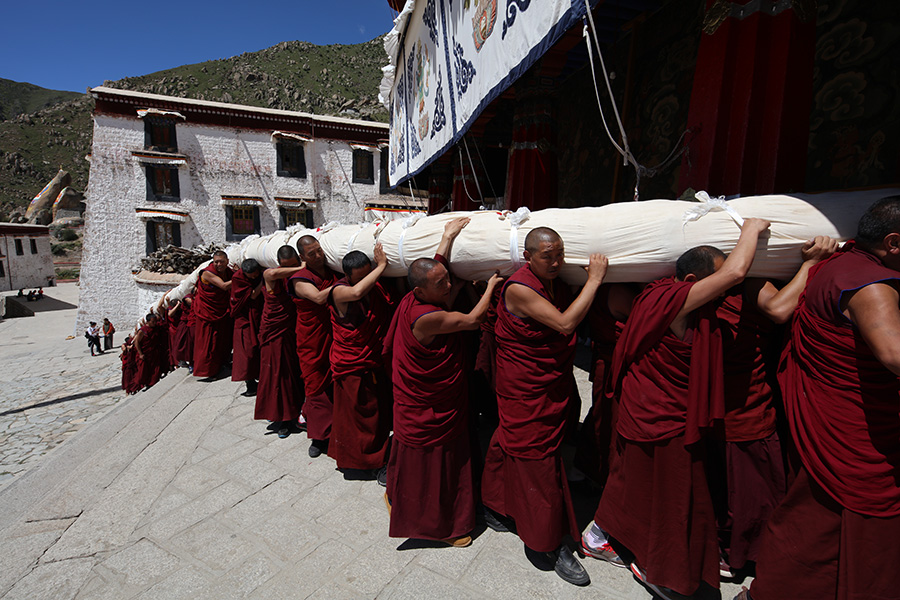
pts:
pixel 60 400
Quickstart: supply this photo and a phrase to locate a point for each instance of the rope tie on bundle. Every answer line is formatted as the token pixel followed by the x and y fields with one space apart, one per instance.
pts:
pixel 708 205
pixel 515 221
pixel 407 223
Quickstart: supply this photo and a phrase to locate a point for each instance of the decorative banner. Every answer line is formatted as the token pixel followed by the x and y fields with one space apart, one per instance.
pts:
pixel 451 58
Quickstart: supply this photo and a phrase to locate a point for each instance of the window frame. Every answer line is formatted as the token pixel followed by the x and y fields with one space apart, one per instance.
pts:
pixel 357 177
pixel 20 248
pixel 152 123
pixel 153 243
pixel 152 194
pixel 307 218
pixel 33 243
pixel 230 235
pixel 2 268
pixel 298 149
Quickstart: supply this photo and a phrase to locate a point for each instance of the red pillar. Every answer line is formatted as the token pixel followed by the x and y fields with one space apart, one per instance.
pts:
pixel 750 104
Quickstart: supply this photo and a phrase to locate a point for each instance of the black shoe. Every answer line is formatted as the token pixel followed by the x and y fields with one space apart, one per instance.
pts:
pixel 661 591
pixel 381 476
pixel 283 432
pixel 568 567
pixel 493 521
pixel 251 389
pixel 317 448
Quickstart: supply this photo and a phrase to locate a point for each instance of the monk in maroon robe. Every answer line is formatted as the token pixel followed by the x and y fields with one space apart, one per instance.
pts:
pixel 174 315
pixel 751 482
pixel 835 534
pixel 212 325
pixel 245 311
pixel 524 477
pixel 279 395
pixel 129 368
pixel 311 288
pixel 146 345
pixel 430 488
pixel 184 334
pixel 360 316
pixel 667 375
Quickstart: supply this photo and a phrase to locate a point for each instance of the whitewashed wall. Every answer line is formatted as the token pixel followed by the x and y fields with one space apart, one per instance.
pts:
pixel 28 271
pixel 220 161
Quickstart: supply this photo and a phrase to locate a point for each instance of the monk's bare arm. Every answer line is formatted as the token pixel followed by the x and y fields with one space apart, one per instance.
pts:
pixel 136 342
pixel 272 275
pixel 874 310
pixel 442 321
pixel 525 302
pixel 345 294
pixel 175 308
pixel 307 291
pixel 777 304
pixel 451 231
pixel 732 272
pixel 207 277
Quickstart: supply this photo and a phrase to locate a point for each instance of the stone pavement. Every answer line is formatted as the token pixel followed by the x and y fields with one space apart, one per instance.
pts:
pixel 177 493
pixel 50 387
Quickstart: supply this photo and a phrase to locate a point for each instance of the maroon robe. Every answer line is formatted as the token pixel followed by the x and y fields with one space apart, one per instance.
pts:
pixel 753 466
pixel 430 470
pixel 524 477
pixel 843 510
pixel 313 351
pixel 657 502
pixel 149 369
pixel 246 313
pixel 212 325
pixel 184 335
pixel 280 391
pixel 130 381
pixel 360 433
pixel 172 323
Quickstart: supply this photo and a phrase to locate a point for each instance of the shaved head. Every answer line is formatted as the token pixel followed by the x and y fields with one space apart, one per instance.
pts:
pixel 305 241
pixel 220 253
pixel 699 261
pixel 537 236
pixel 880 220
pixel 286 254
pixel 418 272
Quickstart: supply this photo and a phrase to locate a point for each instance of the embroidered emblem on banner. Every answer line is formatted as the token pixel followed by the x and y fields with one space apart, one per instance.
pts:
pixel 429 18
pixel 399 142
pixel 483 21
pixel 440 119
pixel 422 77
pixel 513 8
pixel 465 71
pixel 414 148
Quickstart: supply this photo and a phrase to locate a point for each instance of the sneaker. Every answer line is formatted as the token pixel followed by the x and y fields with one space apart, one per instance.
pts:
pixel 568 567
pixel 595 543
pixel 283 432
pixel 744 594
pixel 725 571
pixel 381 476
pixel 493 521
pixel 663 592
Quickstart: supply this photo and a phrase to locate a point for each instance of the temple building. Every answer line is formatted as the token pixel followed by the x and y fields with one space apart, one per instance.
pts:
pixel 184 172
pixel 25 259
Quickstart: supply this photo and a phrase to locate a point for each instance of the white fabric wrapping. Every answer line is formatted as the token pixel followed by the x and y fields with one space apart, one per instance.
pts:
pixel 641 239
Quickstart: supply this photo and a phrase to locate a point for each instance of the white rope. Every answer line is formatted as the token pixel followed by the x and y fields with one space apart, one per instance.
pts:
pixel 475 177
pixel 515 221
pixel 708 205
pixel 352 239
pixel 407 223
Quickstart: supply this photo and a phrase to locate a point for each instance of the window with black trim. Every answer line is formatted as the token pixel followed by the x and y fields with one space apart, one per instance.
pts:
pixel 291 159
pixel 159 134
pixel 383 181
pixel 2 269
pixel 241 221
pixel 33 245
pixel 162 184
pixel 19 249
pixel 363 167
pixel 162 233
pixel 293 216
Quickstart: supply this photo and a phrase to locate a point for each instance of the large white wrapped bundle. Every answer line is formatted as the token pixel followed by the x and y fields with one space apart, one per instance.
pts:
pixel 642 239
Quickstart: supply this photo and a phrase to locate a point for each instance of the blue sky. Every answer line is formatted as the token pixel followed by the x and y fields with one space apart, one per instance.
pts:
pixel 74 45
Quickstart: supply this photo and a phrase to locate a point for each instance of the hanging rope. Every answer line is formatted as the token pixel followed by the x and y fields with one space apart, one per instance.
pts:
pixel 474 176
pixel 627 156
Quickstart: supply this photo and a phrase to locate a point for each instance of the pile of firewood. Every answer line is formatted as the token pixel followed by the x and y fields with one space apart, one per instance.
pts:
pixel 173 259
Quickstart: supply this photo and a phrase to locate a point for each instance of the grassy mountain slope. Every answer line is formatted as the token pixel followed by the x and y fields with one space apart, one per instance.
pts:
pixel 22 98
pixel 331 80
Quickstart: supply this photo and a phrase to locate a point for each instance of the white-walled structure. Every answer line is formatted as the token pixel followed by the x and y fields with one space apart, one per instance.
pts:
pixel 177 171
pixel 25 259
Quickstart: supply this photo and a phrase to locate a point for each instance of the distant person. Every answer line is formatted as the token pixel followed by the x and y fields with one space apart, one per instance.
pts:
pixel 21 293
pixel 92 333
pixel 30 296
pixel 108 331
pixel 40 296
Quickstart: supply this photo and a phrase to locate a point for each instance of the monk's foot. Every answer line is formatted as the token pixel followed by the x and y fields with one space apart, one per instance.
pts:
pixel 317 448
pixel 381 476
pixel 661 591
pixel 725 570
pixel 568 567
pixel 744 595
pixel 283 430
pixel 595 543
pixel 494 521
pixel 387 502
pixel 251 389
pixel 459 542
